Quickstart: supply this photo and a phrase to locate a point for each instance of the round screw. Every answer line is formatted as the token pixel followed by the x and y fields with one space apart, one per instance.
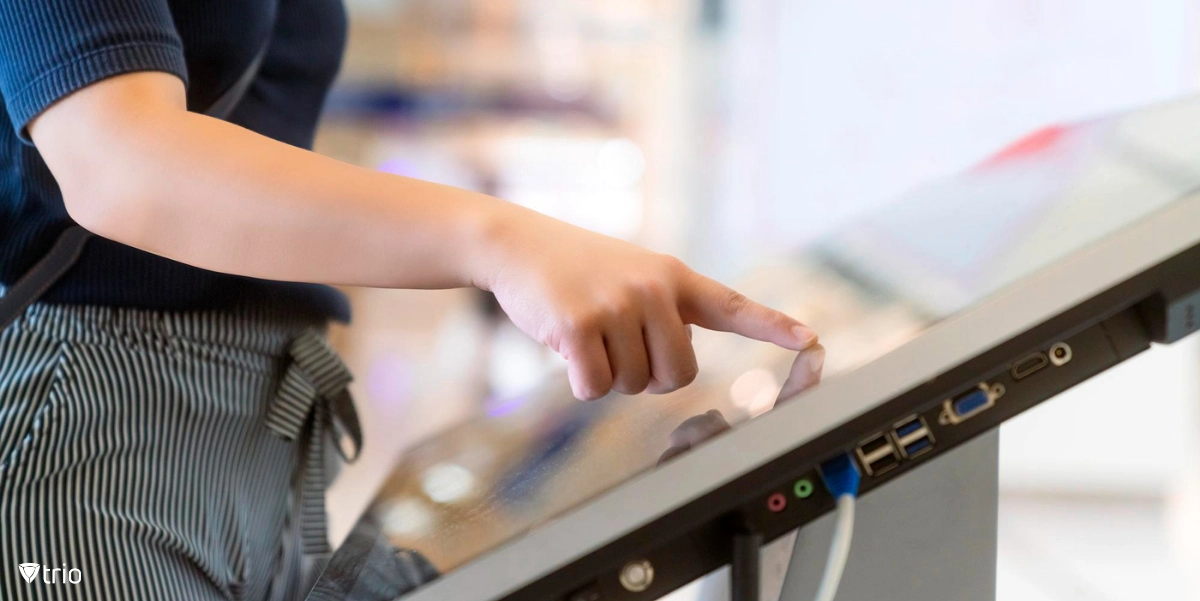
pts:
pixel 637 576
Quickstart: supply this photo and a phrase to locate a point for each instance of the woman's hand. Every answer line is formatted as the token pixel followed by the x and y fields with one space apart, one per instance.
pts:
pixel 617 312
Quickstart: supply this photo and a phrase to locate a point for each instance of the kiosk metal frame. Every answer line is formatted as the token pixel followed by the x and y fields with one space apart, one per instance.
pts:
pixel 960 379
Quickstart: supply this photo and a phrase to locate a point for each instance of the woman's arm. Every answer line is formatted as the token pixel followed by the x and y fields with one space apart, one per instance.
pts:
pixel 136 167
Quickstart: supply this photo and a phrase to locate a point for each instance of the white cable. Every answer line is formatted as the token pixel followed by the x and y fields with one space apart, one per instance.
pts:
pixel 839 549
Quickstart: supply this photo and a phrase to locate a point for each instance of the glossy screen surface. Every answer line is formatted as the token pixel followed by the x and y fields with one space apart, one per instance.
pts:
pixel 866 290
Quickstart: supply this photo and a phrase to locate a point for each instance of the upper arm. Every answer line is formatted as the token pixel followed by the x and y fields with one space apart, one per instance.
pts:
pixel 76 73
pixel 96 139
pixel 53 48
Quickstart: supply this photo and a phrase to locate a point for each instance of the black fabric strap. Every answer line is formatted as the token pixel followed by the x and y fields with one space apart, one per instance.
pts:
pixel 44 274
pixel 69 246
pixel 222 107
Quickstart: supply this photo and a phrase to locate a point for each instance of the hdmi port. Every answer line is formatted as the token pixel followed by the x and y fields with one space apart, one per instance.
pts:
pixel 1029 365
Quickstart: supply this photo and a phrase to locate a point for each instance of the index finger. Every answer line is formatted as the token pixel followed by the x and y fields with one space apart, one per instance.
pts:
pixel 714 306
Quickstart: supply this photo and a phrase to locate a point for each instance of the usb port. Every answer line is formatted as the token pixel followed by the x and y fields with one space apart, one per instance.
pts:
pixel 878 454
pixel 912 436
pixel 970 403
pixel 908 427
pixel 916 448
pixel 874 445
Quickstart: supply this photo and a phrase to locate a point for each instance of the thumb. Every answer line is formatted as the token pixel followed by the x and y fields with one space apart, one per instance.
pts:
pixel 714 306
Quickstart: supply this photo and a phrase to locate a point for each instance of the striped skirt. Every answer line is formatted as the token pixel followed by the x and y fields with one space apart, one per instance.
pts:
pixel 148 455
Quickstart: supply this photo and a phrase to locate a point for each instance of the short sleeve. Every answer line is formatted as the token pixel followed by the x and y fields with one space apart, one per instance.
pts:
pixel 51 48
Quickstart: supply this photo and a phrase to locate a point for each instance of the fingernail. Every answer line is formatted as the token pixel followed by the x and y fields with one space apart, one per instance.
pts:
pixel 805 335
pixel 815 361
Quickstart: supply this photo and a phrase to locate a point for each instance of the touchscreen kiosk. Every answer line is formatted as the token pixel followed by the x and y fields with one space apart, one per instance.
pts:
pixel 957 306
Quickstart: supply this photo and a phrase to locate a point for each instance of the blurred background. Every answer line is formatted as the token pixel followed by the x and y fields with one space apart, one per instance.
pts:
pixel 728 133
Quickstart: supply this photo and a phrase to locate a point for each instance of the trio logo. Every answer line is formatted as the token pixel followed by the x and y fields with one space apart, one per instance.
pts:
pixel 30 572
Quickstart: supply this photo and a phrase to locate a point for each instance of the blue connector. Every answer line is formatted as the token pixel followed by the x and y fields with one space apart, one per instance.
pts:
pixel 841 476
pixel 971 403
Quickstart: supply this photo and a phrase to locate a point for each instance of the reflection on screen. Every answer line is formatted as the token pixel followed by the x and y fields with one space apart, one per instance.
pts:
pixel 866 290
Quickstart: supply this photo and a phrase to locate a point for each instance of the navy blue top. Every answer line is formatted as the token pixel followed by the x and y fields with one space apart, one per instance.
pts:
pixel 51 48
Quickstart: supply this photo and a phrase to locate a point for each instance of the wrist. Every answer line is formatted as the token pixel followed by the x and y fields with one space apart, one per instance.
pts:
pixel 487 225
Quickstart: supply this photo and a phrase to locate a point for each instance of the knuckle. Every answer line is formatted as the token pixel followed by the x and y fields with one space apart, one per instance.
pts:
pixel 650 286
pixel 626 389
pixel 593 390
pixel 631 383
pixel 657 387
pixel 732 302
pixel 581 323
pixel 687 374
pixel 619 306
pixel 666 386
pixel 674 265
pixel 677 378
pixel 591 394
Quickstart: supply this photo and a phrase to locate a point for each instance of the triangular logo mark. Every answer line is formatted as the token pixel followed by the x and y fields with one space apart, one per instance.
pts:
pixel 29 571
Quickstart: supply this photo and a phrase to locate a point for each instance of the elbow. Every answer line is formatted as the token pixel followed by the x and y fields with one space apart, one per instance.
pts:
pixel 103 143
pixel 109 209
pixel 86 210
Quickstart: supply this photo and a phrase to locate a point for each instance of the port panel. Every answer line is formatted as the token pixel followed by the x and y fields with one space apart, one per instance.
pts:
pixel 683 556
